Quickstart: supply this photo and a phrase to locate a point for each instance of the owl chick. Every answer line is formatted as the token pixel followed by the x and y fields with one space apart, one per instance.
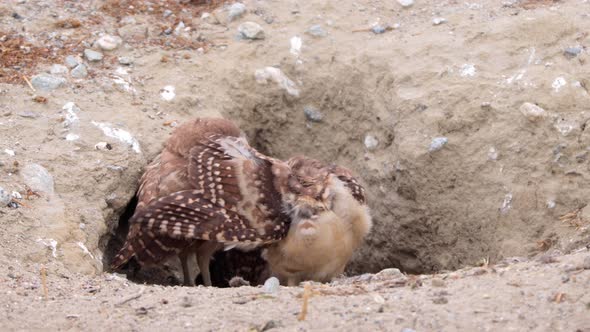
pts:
pixel 320 243
pixel 207 190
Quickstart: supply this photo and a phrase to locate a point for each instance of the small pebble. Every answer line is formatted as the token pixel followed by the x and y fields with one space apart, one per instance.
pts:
pixel 378 29
pixel 16 195
pixel 236 11
pixel 438 20
pixel 317 31
pixel 126 61
pixel 238 282
pixel 406 3
pixel 251 30
pixel 108 42
pixel 103 146
pixel 271 286
pixel 437 143
pixel 79 71
pixel 5 197
pixel 532 112
pixel 58 69
pixel 92 55
pixel 312 114
pixel 72 137
pixel 390 273
pixel 71 61
pixel 167 13
pixel 371 142
pixel 9 152
pixel 47 82
pixel 572 52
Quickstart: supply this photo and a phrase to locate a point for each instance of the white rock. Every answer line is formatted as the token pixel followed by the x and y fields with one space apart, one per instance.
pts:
pixel 507 203
pixel 437 143
pixel 108 42
pixel 37 178
pixel 92 55
pixel 5 197
pixel 16 194
pixel 275 74
pixel 236 11
pixel 406 3
pixel 120 134
pixel 492 154
pixel 468 70
pixel 438 20
pixel 103 146
pixel 271 286
pixel 71 114
pixel 9 152
pixel 251 30
pixel 532 112
pixel 72 137
pixel 296 44
pixel 371 142
pixel 565 126
pixel 558 83
pixel 168 92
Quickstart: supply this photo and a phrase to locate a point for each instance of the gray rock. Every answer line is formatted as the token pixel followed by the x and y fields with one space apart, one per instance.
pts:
pixel 378 29
pixel 92 55
pixel 125 60
pixel 79 71
pixel 271 286
pixel 28 114
pixel 406 3
pixel 47 82
pixel 572 52
pixel 108 42
pixel 437 143
pixel 390 273
pixel 58 69
pixel 5 197
pixel 251 30
pixel 37 178
pixel 167 13
pixel 312 114
pixel 71 61
pixel 317 31
pixel 236 11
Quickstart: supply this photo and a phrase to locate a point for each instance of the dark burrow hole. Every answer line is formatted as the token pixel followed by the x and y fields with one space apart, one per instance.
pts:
pixel 247 266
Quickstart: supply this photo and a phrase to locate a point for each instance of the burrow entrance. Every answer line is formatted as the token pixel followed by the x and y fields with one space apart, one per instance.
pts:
pixel 432 211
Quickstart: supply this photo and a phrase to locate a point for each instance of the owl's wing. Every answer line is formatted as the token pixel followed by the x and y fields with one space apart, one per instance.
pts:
pixel 235 200
pixel 350 181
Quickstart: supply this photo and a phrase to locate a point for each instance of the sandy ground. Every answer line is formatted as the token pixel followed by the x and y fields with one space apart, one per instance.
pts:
pixel 433 118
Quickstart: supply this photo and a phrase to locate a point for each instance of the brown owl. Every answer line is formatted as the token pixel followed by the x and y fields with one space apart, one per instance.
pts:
pixel 210 190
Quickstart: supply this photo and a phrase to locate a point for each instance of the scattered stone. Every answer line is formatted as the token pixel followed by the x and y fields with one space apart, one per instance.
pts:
pixel 532 112
pixel 47 82
pixel 238 282
pixel 103 146
pixel 271 286
pixel 313 114
pixel 486 105
pixel 371 142
pixel 9 152
pixel 71 61
pixel 378 29
pixel 492 154
pixel 17 195
pixel 179 28
pixel 108 42
pixel 558 83
pixel 572 52
pixel 79 71
pixel 208 18
pixel 437 143
pixel 167 13
pixel 468 70
pixel 92 55
pixel 565 126
pixel 275 74
pixel 5 197
pixel 125 61
pixel 28 114
pixel 168 93
pixel 72 137
pixel 317 31
pixel 296 44
pixel 58 69
pixel 438 20
pixel 236 11
pixel 37 178
pixel 406 3
pixel 390 273
pixel 251 30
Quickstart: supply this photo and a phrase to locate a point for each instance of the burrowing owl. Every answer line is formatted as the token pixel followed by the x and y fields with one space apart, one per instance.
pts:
pixel 209 189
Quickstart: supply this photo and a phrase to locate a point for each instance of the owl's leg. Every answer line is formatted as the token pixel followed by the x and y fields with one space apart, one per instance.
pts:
pixel 184 256
pixel 204 254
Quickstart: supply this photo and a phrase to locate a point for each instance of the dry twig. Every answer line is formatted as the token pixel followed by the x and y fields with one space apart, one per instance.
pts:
pixel 306 295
